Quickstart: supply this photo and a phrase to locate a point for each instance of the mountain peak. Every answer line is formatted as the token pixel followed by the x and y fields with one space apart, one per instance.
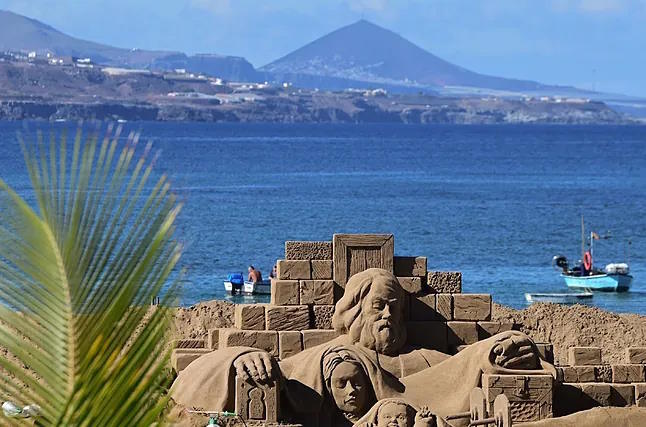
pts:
pixel 364 22
pixel 366 52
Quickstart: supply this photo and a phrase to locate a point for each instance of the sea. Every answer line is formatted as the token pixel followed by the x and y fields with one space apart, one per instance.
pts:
pixel 495 202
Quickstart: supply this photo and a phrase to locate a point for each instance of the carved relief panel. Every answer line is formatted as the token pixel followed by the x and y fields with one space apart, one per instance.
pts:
pixel 354 253
pixel 257 403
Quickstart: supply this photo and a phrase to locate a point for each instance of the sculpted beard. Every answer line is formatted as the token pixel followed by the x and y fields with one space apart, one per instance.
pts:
pixel 383 336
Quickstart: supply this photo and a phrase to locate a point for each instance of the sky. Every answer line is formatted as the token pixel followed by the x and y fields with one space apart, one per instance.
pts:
pixel 590 44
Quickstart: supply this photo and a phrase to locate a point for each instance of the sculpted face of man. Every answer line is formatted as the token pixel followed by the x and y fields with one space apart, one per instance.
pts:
pixel 382 317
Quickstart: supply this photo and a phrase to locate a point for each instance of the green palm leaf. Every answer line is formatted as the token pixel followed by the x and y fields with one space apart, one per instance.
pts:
pixel 77 272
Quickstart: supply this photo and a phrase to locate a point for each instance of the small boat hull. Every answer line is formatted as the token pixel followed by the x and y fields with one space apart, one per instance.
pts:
pixel 249 288
pixel 600 282
pixel 559 298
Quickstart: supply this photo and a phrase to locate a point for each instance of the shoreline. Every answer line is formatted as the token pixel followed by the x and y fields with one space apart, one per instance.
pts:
pixel 299 109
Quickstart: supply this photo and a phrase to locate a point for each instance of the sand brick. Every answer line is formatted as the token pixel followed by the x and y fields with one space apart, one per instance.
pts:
pixel 250 316
pixel 300 250
pixel 584 374
pixel 603 373
pixel 636 355
pixel 584 356
pixel 640 395
pixel 322 316
pixel 472 307
pixel 628 373
pixel 263 340
pixel 287 318
pixel 410 266
pixel 431 335
pixel 257 403
pixel 213 338
pixel 314 337
pixel 444 282
pixel 460 333
pixel 293 269
pixel 317 292
pixel 444 306
pixel 285 292
pixel 422 307
pixel 579 374
pixel 412 285
pixel 487 329
pixel 624 394
pixel 182 357
pixel 321 269
pixel 289 343
pixel 602 394
pixel 189 343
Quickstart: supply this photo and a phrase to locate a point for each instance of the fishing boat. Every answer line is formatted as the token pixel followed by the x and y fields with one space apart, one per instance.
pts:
pixel 559 298
pixel 615 277
pixel 235 284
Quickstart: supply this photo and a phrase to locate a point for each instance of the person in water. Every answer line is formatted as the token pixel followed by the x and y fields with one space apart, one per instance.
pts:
pixel 254 275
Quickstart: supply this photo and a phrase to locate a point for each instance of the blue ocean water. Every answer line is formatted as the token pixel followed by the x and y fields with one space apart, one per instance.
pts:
pixel 495 202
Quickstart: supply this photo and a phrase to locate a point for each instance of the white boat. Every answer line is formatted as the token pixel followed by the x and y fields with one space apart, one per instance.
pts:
pixel 248 288
pixel 559 298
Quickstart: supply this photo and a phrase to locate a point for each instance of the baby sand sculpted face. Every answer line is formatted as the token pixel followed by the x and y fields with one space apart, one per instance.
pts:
pixel 349 388
pixel 382 318
pixel 394 414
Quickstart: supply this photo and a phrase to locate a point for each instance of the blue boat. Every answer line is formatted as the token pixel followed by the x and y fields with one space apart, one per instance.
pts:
pixel 615 277
pixel 599 282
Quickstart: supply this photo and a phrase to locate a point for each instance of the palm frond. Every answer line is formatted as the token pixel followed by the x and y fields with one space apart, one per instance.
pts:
pixel 77 272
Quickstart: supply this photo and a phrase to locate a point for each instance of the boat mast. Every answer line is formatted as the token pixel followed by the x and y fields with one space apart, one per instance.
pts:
pixel 582 239
pixel 591 251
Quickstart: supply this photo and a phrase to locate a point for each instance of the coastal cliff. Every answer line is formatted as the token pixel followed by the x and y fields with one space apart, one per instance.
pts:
pixel 45 92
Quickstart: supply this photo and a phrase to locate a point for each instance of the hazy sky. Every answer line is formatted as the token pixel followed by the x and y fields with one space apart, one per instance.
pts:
pixel 592 44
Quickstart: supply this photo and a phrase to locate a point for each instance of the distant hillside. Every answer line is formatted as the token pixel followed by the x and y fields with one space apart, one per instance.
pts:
pixel 365 52
pixel 18 32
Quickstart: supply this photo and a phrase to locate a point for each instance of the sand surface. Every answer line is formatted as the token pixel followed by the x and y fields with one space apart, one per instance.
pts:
pixel 196 320
pixel 578 325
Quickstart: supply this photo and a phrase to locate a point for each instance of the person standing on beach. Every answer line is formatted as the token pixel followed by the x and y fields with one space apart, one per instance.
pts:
pixel 254 275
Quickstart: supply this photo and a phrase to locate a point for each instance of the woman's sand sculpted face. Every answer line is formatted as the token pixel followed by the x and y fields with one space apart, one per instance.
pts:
pixel 394 414
pixel 349 388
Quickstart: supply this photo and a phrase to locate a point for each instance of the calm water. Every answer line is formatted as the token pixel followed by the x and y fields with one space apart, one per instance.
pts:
pixel 493 202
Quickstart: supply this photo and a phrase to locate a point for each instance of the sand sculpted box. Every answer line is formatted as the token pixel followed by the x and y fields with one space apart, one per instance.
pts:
pixel 355 335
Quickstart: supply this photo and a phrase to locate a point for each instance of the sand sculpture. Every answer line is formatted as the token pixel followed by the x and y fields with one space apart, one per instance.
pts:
pixel 353 332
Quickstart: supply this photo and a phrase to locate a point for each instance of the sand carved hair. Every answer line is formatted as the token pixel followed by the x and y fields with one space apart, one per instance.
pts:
pixel 347 318
pixel 333 359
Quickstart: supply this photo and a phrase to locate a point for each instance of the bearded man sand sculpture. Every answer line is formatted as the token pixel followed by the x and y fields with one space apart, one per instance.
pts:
pixel 369 317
